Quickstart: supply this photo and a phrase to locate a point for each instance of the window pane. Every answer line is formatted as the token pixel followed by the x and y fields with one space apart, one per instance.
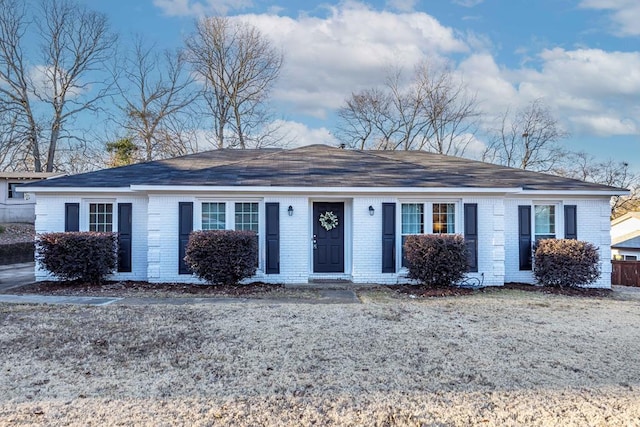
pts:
pixel 545 221
pixel 13 194
pixel 444 218
pixel 412 218
pixel 247 216
pixel 213 216
pixel 100 217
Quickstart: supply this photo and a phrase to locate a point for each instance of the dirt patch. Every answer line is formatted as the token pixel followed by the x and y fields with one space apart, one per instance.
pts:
pixel 141 289
pixel 490 358
pixel 258 290
pixel 567 291
pixel 424 292
pixel 415 291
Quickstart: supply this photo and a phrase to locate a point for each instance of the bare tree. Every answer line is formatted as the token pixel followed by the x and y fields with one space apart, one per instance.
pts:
pixel 45 93
pixel 156 90
pixel 238 66
pixel 585 167
pixel 527 140
pixel 432 112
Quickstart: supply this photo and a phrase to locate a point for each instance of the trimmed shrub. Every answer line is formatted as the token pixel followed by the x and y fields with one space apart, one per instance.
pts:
pixel 12 253
pixel 86 256
pixel 222 257
pixel 566 262
pixel 436 259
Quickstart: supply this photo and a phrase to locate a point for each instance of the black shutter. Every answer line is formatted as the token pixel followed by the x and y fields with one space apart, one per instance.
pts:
pixel 272 231
pixel 185 227
pixel 570 222
pixel 72 217
pixel 388 237
pixel 524 234
pixel 471 235
pixel 124 237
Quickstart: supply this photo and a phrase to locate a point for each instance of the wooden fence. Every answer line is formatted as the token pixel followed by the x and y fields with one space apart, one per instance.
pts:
pixel 625 273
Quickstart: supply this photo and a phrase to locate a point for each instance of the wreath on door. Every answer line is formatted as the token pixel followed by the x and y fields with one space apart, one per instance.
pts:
pixel 328 220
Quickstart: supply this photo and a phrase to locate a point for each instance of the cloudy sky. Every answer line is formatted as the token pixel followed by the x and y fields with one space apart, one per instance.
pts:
pixel 581 56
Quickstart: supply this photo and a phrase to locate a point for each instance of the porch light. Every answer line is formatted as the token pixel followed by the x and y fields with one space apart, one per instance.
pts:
pixel 371 210
pixel 290 210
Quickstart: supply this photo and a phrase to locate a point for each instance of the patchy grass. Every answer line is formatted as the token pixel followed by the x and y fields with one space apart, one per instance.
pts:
pixel 483 359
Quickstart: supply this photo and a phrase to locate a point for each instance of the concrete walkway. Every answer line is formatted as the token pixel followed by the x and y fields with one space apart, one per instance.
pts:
pixel 57 300
pixel 14 275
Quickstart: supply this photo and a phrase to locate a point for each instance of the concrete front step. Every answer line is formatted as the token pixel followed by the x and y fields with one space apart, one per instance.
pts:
pixel 330 284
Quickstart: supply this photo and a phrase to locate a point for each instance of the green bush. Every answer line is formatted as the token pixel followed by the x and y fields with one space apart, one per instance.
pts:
pixel 86 256
pixel 222 256
pixel 566 262
pixel 436 259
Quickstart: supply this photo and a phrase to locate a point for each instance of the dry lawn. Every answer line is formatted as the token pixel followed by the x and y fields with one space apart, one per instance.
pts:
pixel 504 358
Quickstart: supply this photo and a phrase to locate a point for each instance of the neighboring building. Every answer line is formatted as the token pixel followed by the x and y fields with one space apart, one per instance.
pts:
pixel 377 198
pixel 14 207
pixel 625 237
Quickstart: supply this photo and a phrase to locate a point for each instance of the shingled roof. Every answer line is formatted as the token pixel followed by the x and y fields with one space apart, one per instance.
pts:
pixel 320 166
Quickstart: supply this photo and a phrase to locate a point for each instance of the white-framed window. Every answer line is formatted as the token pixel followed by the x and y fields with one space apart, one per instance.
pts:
pixel 12 193
pixel 214 216
pixel 232 215
pixel 247 216
pixel 100 216
pixel 544 221
pixel 630 258
pixel 433 217
pixel 444 218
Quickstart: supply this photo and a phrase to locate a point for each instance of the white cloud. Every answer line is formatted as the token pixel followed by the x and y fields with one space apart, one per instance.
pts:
pixel 604 125
pixel 42 78
pixel 586 80
pixel 352 46
pixel 484 77
pixel 200 8
pixel 591 91
pixel 299 134
pixel 625 14
pixel 326 58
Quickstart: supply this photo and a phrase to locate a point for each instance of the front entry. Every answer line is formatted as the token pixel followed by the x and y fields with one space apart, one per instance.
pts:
pixel 328 237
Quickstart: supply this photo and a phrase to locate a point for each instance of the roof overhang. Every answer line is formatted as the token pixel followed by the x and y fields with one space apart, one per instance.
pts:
pixel 29 175
pixel 323 190
pixel 320 190
pixel 603 193
pixel 36 189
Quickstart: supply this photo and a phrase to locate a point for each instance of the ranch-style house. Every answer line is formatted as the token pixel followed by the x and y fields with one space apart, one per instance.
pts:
pixel 321 212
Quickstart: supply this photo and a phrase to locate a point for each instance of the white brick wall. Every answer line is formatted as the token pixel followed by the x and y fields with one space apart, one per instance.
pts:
pixel 295 241
pixel 367 240
pixel 155 235
pixel 592 224
pixel 50 213
pixel 163 239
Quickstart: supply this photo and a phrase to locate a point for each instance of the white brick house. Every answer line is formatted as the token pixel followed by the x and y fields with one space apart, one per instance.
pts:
pixel 377 197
